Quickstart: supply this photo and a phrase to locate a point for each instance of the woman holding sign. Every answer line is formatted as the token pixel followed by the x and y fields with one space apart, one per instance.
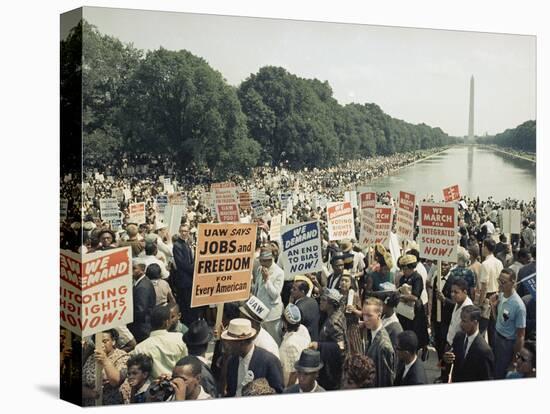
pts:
pixel 113 361
pixel 410 297
pixel 351 305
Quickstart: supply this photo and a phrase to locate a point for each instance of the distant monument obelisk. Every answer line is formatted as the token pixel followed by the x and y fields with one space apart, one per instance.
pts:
pixel 471 118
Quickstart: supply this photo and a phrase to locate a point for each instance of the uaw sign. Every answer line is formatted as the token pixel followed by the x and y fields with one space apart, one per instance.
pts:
pixel 227 207
pixel 404 225
pixel 367 210
pixel 95 290
pixel 382 227
pixel 451 193
pixel 437 238
pixel 340 221
pixel 223 264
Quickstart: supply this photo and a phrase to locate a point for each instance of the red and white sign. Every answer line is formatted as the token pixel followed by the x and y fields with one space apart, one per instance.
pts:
pixel 367 211
pixel 137 213
pixel 451 193
pixel 404 224
pixel 340 221
pixel 96 290
pixel 382 227
pixel 227 206
pixel 437 238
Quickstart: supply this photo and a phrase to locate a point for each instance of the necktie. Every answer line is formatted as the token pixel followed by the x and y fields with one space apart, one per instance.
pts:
pixel 369 338
pixel 465 346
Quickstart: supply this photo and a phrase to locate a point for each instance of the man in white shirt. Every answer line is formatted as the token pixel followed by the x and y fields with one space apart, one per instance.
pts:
pixel 165 348
pixel 255 311
pixel 268 284
pixel 488 279
pixel 295 340
pixel 459 294
pixel 490 228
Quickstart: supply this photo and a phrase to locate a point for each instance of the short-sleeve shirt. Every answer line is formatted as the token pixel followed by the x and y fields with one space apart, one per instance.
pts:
pixel 162 288
pixel 511 315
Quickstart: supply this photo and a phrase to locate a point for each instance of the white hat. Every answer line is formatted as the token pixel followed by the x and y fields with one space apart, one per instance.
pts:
pixel 239 329
pixel 254 308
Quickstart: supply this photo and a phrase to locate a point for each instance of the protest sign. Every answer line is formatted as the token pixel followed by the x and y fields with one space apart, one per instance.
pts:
pixel 283 218
pixel 118 194
pixel 530 282
pixel 340 221
pixel 169 188
pixel 161 203
pixel 275 228
pixel 137 213
pixel 451 193
pixel 227 207
pixel 127 195
pixel 285 198
pixel 511 221
pixel 109 209
pixel 352 197
pixel 244 200
pixel 258 208
pixel 367 211
pixel 96 290
pixel 382 226
pixel 404 225
pixel 437 235
pixel 289 207
pixel 301 248
pixel 63 208
pixel 177 199
pixel 172 217
pixel 223 263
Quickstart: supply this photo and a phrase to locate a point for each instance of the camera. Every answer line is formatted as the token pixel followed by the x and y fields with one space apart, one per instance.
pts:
pixel 161 391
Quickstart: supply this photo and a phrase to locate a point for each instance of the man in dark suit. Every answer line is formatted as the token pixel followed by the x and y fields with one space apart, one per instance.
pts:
pixel 183 276
pixel 144 299
pixel 197 339
pixel 470 354
pixel 247 361
pixel 378 345
pixel 410 370
pixel 307 367
pixel 337 263
pixel 309 308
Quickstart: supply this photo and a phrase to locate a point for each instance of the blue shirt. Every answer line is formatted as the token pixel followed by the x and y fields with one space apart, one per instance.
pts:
pixel 511 315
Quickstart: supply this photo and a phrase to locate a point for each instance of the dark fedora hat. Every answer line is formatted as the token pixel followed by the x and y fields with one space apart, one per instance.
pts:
pixel 310 361
pixel 198 334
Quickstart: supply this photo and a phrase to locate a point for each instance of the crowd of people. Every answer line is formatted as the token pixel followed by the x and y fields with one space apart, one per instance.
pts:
pixel 368 319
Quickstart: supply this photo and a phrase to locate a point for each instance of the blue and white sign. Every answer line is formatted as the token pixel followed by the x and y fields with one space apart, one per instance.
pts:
pixel 301 248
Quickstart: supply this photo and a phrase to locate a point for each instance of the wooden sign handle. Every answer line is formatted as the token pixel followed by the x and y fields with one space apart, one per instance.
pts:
pixel 98 370
pixel 219 316
pixel 438 304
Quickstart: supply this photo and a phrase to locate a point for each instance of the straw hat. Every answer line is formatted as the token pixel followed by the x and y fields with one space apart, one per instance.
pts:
pixel 239 329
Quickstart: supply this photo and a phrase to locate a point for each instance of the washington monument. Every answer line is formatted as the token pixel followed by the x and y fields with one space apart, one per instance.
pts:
pixel 471 117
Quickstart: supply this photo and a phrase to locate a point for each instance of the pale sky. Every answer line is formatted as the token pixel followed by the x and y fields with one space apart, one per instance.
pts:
pixel 418 75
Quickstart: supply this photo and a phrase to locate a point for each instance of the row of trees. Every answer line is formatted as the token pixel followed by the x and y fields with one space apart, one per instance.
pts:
pixel 173 101
pixel 522 138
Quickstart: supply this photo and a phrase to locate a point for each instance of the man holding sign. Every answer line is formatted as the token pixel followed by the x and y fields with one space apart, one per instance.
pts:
pixel 268 284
